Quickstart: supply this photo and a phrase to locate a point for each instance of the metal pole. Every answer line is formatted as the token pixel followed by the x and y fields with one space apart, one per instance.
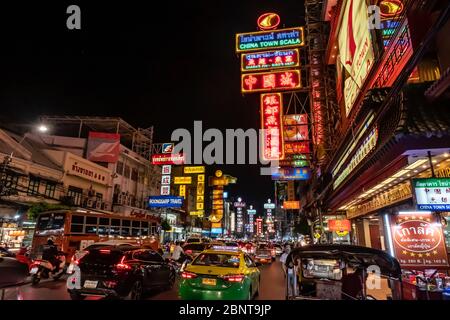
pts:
pixel 433 175
pixel 80 128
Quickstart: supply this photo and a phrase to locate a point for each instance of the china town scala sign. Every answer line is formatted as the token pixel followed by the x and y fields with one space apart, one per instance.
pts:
pixel 418 240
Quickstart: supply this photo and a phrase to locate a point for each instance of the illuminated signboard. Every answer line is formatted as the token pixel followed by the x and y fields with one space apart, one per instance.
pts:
pixel 271 123
pixel 296 133
pixel 259 226
pixel 182 180
pixel 339 225
pixel 355 49
pixel 296 147
pixel 199 213
pixel 294 163
pixel 200 199
pixel 283 38
pixel 366 147
pixel 167 148
pixel 418 240
pixel 291 174
pixel 166 169
pixel 270 81
pixel 191 170
pixel 270 60
pixel 182 192
pixel 172 158
pixel 268 21
pixel 289 205
pixel 390 8
pixel 432 194
pixel 165 202
pixel 295 119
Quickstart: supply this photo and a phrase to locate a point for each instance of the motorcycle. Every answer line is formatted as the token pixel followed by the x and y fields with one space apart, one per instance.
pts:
pixel 44 269
pixel 180 266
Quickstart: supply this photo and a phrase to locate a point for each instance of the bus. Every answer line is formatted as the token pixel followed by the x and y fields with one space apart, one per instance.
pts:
pixel 74 230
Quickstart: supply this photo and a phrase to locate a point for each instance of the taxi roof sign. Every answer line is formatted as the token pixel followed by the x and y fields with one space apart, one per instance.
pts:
pixel 225 248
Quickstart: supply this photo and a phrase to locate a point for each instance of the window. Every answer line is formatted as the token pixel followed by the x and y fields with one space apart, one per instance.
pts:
pixel 11 181
pixel 218 260
pixel 147 256
pixel 76 195
pixel 50 188
pixel 136 224
pixel 33 186
pixel 115 222
pixel 125 232
pixel 249 262
pixel 126 172
pixel 91 220
pixel 134 174
pixel 104 221
pixel 119 168
pixel 126 223
pixel 77 223
pixel 51 221
pixel 135 232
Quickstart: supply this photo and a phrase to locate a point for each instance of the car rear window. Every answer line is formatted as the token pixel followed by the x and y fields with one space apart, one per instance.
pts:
pixel 191 240
pixel 217 260
pixel 102 256
pixel 194 247
pixel 231 244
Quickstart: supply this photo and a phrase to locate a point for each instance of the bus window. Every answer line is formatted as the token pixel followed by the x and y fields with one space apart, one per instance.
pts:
pixel 135 232
pixel 126 223
pixel 103 222
pixel 51 221
pixel 77 219
pixel 103 230
pixel 125 232
pixel 136 224
pixel 91 220
pixel 145 228
pixel 114 231
pixel 115 222
pixel 76 228
pixel 153 229
pixel 91 229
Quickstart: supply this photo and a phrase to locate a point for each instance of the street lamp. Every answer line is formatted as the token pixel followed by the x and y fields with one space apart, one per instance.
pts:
pixel 42 128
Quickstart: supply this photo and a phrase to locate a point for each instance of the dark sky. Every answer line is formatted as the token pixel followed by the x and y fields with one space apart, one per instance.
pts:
pixel 165 63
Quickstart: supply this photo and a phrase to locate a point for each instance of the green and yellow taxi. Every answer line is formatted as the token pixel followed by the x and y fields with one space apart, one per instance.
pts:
pixel 220 273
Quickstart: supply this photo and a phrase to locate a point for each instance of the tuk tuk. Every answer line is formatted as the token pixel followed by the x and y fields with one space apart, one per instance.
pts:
pixel 342 272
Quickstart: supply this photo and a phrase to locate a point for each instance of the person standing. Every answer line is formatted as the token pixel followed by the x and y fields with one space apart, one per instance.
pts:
pixel 284 255
pixel 177 252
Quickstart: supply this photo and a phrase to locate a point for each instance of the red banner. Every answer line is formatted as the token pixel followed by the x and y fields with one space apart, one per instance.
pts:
pixel 418 240
pixel 339 225
pixel 168 158
pixel 271 123
pixel 296 147
pixel 103 147
pixel 270 81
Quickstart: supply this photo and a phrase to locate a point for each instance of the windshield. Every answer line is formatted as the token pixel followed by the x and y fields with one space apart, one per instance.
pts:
pixel 51 221
pixel 217 260
pixel 321 268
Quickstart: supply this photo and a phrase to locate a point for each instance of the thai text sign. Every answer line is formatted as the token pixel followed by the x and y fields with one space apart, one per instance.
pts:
pixel 269 60
pixel 432 194
pixel 282 38
pixel 168 158
pixel 339 225
pixel 270 81
pixel 418 240
pixel 182 180
pixel 196 169
pixel 271 115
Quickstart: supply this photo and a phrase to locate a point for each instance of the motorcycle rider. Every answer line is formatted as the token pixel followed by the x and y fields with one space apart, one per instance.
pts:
pixel 50 253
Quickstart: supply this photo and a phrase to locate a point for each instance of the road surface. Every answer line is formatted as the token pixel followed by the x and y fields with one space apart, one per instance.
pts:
pixel 272 288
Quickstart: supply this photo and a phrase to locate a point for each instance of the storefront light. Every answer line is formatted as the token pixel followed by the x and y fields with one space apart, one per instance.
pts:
pixel 416 164
pixel 387 226
pixel 415 212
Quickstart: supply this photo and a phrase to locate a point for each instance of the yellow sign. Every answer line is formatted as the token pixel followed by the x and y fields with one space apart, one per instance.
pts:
pixel 200 198
pixel 199 213
pixel 182 180
pixel 342 233
pixel 219 173
pixel 191 170
pixel 200 188
pixel 317 235
pixel 200 206
pixel 182 191
pixel 201 178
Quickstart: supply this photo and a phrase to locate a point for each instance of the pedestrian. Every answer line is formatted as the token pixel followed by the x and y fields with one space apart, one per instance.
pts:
pixel 283 258
pixel 292 270
pixel 177 251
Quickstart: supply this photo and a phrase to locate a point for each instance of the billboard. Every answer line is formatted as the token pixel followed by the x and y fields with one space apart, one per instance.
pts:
pixel 291 205
pixel 258 61
pixel 265 40
pixel 165 202
pixel 291 174
pixel 339 225
pixel 295 119
pixel 270 81
pixel 103 147
pixel 432 194
pixel 418 240
pixel 296 133
pixel 167 158
pixel 271 123
pixel 355 49
pixel 291 148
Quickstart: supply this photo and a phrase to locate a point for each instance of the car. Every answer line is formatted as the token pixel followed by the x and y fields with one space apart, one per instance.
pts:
pixel 269 247
pixel 232 244
pixel 220 273
pixel 194 249
pixel 263 254
pixel 122 272
pixel 278 249
pixel 193 240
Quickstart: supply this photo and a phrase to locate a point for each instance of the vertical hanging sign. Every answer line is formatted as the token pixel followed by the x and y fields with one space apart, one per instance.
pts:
pixel 272 125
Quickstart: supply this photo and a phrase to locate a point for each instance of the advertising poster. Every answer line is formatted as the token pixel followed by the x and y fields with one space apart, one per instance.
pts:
pixel 103 147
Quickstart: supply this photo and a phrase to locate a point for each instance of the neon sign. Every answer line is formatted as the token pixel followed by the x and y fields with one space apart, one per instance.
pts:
pixel 270 81
pixel 168 158
pixel 268 21
pixel 283 38
pixel 390 8
pixel 296 147
pixel 292 174
pixel 272 125
pixel 269 60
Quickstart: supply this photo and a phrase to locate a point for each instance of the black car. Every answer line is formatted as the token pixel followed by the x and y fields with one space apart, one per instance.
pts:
pixel 122 272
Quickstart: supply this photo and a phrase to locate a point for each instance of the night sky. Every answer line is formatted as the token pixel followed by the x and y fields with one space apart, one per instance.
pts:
pixel 164 64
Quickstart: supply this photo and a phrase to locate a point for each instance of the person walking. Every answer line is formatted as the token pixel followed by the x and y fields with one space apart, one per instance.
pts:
pixel 283 257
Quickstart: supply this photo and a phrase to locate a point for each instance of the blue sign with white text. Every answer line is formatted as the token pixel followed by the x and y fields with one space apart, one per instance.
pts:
pixel 165 202
pixel 291 174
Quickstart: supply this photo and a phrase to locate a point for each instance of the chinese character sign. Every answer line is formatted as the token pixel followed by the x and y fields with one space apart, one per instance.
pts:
pixel 270 81
pixel 259 61
pixel 271 123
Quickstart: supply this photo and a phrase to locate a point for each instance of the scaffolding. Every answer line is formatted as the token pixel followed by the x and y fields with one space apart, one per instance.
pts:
pixel 324 109
pixel 138 140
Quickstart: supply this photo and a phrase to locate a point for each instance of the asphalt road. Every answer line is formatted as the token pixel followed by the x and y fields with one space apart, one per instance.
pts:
pixel 272 288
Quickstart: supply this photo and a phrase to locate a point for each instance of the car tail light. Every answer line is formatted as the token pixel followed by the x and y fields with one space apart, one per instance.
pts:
pixel 234 278
pixel 188 252
pixel 105 251
pixel 188 275
pixel 122 266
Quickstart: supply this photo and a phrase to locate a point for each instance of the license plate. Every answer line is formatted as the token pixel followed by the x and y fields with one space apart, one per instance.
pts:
pixel 209 281
pixel 90 284
pixel 33 270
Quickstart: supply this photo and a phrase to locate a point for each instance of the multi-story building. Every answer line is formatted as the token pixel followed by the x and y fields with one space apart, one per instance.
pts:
pixel 391 71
